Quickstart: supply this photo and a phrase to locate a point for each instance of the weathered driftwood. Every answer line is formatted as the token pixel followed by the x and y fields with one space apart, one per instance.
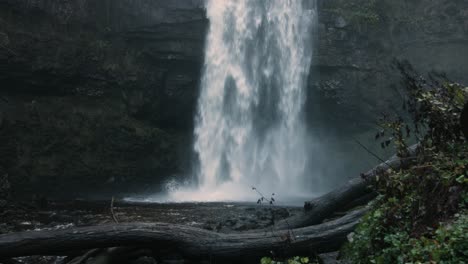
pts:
pixel 308 236
pixel 186 241
pixel 355 191
pixel 114 255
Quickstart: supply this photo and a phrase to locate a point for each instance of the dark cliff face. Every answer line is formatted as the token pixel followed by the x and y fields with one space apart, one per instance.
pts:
pixel 359 39
pixel 353 80
pixel 101 95
pixel 97 95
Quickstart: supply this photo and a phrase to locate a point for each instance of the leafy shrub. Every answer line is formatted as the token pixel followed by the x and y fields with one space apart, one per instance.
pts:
pixel 373 243
pixel 433 108
pixel 294 260
pixel 421 213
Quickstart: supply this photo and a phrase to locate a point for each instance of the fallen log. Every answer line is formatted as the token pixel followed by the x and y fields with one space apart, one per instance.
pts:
pixel 114 255
pixel 308 236
pixel 189 242
pixel 356 190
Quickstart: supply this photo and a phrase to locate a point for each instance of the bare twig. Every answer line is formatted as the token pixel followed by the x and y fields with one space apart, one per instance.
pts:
pixel 9 50
pixel 9 261
pixel 85 257
pixel 112 211
pixel 372 153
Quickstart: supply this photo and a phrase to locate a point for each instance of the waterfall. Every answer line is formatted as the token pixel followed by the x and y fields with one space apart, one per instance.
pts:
pixel 250 130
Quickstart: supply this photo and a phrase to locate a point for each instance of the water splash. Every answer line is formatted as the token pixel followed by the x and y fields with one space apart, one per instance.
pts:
pixel 249 128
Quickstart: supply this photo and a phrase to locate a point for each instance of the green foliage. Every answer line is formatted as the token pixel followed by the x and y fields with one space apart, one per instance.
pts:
pixel 434 107
pixel 372 243
pixel 404 226
pixel 421 213
pixel 294 260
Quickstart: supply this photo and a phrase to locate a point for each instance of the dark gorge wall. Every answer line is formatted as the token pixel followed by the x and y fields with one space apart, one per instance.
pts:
pixel 97 95
pixel 358 40
pixel 353 80
pixel 100 95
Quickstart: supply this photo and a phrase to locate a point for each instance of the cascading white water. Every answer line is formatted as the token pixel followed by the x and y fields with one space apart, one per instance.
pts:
pixel 250 129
